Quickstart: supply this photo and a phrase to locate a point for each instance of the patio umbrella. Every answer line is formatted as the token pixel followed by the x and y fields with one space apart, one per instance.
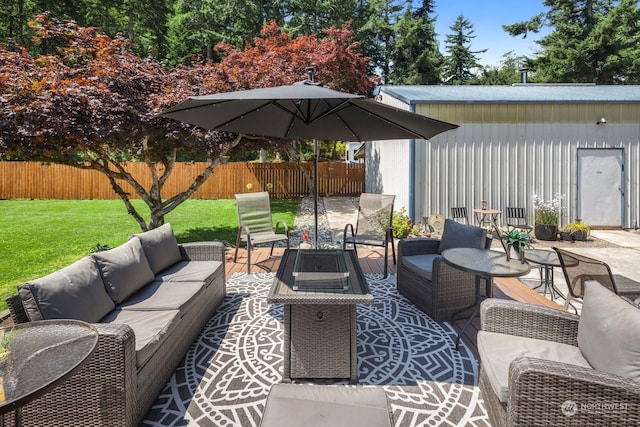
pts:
pixel 304 110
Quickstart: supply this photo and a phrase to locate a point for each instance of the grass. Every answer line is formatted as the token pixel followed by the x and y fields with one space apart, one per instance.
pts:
pixel 38 237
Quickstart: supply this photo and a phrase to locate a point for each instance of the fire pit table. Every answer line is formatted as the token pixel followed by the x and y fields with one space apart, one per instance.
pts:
pixel 320 289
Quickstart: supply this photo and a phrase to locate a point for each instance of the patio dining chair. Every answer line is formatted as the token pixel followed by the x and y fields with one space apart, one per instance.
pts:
pixel 255 224
pixel 579 269
pixel 517 218
pixel 460 213
pixel 373 225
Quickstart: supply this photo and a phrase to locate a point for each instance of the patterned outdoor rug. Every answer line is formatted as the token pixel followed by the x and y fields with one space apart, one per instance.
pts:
pixel 227 373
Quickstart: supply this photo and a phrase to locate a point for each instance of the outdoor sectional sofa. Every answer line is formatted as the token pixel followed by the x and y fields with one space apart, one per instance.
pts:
pixel 148 299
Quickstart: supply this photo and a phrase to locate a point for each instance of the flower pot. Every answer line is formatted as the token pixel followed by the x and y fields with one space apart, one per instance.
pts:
pixel 546 232
pixel 566 236
pixel 580 235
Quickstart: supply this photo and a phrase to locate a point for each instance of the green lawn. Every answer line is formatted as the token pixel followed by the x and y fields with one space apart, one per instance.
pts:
pixel 38 237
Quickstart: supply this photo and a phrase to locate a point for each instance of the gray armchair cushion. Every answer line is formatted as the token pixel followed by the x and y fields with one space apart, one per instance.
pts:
pixel 160 247
pixel 609 332
pixel 497 351
pixel 458 235
pixel 421 264
pixel 124 269
pixel 74 292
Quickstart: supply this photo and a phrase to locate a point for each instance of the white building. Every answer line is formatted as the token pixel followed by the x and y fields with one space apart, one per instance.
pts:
pixel 514 142
pixel 350 152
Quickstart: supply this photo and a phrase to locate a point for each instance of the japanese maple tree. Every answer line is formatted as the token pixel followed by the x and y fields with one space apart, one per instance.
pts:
pixel 92 103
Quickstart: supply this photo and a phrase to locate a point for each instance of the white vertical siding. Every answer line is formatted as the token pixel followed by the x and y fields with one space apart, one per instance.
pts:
pixel 387 170
pixel 506 163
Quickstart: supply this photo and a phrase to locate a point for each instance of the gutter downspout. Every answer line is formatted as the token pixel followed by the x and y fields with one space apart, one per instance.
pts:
pixel 412 173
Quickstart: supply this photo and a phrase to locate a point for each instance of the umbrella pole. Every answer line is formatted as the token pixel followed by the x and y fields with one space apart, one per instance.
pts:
pixel 315 190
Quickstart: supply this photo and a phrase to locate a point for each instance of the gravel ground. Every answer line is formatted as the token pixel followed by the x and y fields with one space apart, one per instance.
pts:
pixel 304 219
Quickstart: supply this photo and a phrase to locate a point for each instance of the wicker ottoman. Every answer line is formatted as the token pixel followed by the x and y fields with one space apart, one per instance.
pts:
pixel 292 405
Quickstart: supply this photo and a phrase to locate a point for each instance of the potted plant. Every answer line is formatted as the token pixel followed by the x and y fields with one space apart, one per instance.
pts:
pixel 401 224
pixel 546 217
pixel 517 240
pixel 578 230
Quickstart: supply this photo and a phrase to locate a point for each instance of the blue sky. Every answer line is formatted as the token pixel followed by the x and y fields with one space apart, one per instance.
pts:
pixel 487 18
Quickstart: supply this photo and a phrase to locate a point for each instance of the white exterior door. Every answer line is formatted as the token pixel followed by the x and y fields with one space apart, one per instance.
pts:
pixel 600 191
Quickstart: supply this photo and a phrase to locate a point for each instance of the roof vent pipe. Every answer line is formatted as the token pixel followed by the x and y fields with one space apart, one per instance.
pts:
pixel 523 75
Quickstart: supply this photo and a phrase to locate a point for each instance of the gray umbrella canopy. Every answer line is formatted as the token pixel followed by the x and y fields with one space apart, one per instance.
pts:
pixel 304 111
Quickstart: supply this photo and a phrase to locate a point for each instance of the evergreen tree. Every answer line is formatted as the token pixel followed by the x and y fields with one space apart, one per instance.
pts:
pixel 415 55
pixel 377 34
pixel 314 16
pixel 197 26
pixel 507 73
pixel 461 61
pixel 591 41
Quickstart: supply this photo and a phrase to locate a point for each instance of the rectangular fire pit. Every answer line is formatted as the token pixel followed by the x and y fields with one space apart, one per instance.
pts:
pixel 320 317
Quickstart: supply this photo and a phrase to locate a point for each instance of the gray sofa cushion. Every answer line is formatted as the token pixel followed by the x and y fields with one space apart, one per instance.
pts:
pixel 458 235
pixel 160 247
pixel 73 292
pixel 497 351
pixel 191 271
pixel 609 332
pixel 151 328
pixel 421 264
pixel 164 296
pixel 124 269
pixel 296 405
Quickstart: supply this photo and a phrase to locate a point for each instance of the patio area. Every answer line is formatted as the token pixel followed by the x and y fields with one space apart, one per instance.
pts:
pixel 371 261
pixel 465 406
pixel 228 371
pixel 225 376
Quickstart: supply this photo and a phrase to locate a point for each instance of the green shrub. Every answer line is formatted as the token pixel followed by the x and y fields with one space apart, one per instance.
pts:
pixel 401 224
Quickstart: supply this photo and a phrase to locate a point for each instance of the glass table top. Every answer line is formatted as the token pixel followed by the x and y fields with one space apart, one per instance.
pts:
pixel 39 355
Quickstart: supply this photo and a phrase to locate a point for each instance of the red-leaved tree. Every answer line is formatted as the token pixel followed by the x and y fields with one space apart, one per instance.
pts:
pixel 93 103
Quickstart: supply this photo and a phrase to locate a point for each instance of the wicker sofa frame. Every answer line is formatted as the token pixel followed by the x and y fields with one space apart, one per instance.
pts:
pixel 452 292
pixel 538 388
pixel 109 390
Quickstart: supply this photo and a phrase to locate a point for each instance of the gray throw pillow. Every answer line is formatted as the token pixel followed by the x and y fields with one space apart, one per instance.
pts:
pixel 456 235
pixel 124 269
pixel 73 292
pixel 609 332
pixel 160 247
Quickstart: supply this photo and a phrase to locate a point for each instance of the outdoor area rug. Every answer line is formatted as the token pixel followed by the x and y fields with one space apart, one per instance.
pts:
pixel 228 371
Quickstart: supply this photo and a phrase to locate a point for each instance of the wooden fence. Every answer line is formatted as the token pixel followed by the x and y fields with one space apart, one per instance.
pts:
pixel 33 180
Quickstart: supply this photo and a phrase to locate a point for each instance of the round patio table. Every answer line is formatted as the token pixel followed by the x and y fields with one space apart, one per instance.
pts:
pixel 485 264
pixel 41 355
pixel 547 260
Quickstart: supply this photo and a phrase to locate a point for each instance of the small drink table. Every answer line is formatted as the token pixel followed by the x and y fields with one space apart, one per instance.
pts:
pixel 485 264
pixel 41 355
pixel 320 323
pixel 487 217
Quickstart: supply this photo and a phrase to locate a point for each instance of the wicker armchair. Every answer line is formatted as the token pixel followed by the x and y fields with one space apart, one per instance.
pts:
pixel 543 392
pixel 435 287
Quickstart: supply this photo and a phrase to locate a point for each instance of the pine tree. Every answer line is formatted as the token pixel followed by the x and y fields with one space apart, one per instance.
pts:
pixel 461 61
pixel 415 55
pixel 592 41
